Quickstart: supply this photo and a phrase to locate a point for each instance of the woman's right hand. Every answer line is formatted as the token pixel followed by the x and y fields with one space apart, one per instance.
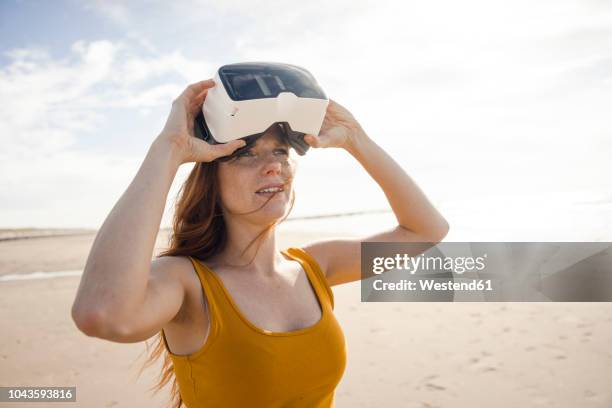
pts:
pixel 178 132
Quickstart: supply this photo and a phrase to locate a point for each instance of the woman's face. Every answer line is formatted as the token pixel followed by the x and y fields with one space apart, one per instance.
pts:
pixel 267 164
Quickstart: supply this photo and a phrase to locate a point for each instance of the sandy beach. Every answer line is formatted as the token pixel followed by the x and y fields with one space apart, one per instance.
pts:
pixel 399 354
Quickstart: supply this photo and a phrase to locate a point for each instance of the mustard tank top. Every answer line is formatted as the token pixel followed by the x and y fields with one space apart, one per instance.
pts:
pixel 242 365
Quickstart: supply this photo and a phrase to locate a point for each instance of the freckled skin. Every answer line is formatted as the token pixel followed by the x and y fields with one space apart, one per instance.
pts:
pixel 268 162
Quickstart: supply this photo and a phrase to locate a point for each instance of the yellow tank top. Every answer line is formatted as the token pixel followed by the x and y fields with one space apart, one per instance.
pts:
pixel 241 365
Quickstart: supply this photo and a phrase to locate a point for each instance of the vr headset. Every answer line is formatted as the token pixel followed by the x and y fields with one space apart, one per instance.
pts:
pixel 249 98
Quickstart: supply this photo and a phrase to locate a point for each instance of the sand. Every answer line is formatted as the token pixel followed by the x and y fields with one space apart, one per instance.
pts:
pixel 399 354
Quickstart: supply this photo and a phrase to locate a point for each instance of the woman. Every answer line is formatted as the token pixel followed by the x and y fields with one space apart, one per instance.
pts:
pixel 253 326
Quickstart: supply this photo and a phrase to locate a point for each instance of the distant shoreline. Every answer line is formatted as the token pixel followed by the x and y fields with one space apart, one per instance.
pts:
pixel 30 233
pixel 11 234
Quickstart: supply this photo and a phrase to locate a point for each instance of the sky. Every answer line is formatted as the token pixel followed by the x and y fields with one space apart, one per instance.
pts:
pixel 488 105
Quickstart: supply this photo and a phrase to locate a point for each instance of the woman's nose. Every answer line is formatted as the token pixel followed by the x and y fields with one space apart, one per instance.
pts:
pixel 273 166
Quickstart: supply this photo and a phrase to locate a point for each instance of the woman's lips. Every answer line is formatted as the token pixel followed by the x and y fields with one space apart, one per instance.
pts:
pixel 270 194
pixel 272 186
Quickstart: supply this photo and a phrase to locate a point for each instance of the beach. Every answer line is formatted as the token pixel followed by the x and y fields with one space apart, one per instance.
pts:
pixel 489 120
pixel 399 354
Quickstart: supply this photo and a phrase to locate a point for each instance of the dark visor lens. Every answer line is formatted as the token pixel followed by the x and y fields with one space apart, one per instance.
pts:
pixel 256 81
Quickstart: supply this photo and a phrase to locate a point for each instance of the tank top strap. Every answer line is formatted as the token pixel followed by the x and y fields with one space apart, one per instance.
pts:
pixel 214 296
pixel 311 267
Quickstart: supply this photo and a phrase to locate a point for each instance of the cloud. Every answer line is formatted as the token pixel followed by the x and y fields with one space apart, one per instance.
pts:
pixel 55 104
pixel 116 11
pixel 52 101
pixel 521 89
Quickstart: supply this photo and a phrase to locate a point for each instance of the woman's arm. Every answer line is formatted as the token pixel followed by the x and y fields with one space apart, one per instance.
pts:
pixel 418 220
pixel 116 285
pixel 116 273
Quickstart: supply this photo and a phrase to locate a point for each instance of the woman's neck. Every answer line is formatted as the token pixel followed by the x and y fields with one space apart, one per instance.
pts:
pixel 262 257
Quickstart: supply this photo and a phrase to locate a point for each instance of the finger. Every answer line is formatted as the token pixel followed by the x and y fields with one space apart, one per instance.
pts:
pixel 312 140
pixel 196 88
pixel 197 101
pixel 224 149
pixel 208 152
pixel 334 103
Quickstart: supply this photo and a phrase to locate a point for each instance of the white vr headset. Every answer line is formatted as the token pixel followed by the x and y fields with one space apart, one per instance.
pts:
pixel 249 98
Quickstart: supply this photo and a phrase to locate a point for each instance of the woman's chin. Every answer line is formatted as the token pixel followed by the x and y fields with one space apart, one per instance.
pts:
pixel 272 208
pixel 272 212
pixel 276 213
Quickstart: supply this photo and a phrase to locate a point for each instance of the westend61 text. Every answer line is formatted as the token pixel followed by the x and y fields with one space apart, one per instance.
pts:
pixel 431 284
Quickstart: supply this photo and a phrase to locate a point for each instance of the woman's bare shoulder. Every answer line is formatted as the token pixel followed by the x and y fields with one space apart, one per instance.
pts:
pixel 177 267
pixel 187 331
pixel 181 269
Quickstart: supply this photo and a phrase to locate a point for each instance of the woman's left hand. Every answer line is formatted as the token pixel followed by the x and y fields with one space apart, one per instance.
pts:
pixel 339 128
